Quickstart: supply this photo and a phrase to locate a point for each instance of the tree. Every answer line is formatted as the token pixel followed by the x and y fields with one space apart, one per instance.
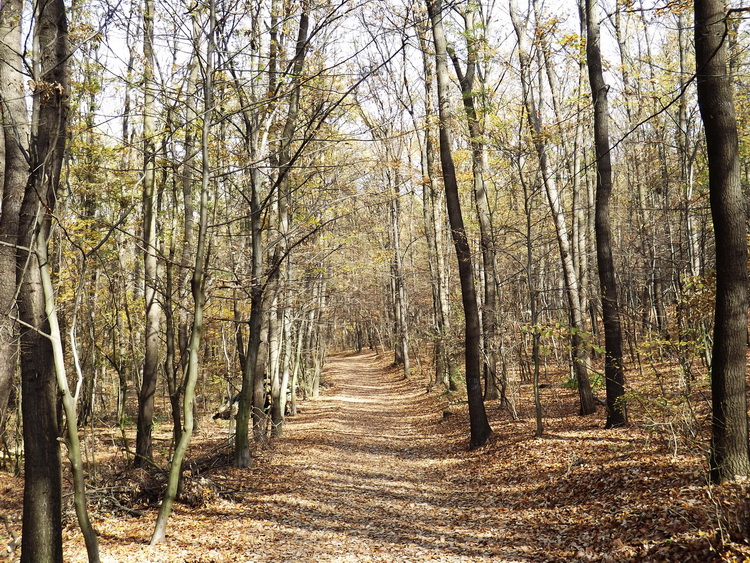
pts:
pixel 42 507
pixel 197 285
pixel 15 175
pixel 434 221
pixel 571 282
pixel 729 444
pixel 613 369
pixel 150 265
pixel 468 80
pixel 479 425
pixel 281 260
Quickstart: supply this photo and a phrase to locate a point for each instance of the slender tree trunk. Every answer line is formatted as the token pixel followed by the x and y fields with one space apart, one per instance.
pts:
pixel 528 196
pixel 467 81
pixel 171 370
pixel 578 342
pixel 150 266
pixel 433 225
pixel 729 444
pixel 177 326
pixel 286 325
pixel 197 284
pixel 686 153
pixel 401 335
pixel 573 162
pixel 68 403
pixel 296 370
pixel 275 334
pixel 480 427
pixel 250 376
pixel 613 368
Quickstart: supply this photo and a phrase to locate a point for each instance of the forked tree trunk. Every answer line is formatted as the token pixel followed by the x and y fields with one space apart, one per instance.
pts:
pixel 480 427
pixel 197 284
pixel 68 403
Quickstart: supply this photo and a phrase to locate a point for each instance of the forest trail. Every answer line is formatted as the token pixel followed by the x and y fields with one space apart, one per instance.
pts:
pixel 365 476
pixel 373 471
pixel 360 474
pixel 369 483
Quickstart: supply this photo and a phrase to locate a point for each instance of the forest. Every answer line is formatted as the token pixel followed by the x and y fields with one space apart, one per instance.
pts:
pixel 374 280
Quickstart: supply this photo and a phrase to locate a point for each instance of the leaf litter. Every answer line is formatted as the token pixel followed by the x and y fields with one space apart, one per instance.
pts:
pixel 374 470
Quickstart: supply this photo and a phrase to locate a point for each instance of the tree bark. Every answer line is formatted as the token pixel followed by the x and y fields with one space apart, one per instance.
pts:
pixel 42 510
pixel 15 143
pixel 613 368
pixel 728 457
pixel 480 427
pixel 150 266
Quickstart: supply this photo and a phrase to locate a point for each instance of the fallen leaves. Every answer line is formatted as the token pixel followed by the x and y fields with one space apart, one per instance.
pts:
pixel 374 472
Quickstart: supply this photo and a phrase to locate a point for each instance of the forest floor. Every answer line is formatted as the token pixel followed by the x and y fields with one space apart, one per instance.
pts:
pixel 377 469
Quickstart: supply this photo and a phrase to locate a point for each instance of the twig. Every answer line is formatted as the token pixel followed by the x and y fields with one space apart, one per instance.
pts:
pixel 13 543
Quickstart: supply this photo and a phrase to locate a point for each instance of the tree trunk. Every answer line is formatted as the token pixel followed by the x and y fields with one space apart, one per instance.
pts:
pixel 687 153
pixel 249 375
pixel 480 427
pixel 296 369
pixel 150 266
pixel 433 226
pixel 15 168
pixel 197 285
pixel 42 517
pixel 613 368
pixel 578 342
pixel 68 402
pixel 729 444
pixel 401 344
pixel 467 81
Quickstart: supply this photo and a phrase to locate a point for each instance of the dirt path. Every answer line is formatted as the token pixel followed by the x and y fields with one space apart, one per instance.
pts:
pixel 357 476
pixel 367 481
pixel 365 476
